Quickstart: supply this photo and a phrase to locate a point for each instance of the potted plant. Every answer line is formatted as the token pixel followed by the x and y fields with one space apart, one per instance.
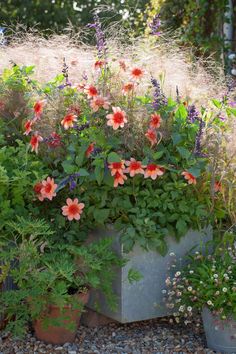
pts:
pixel 207 285
pixel 120 164
pixel 120 159
pixel 52 281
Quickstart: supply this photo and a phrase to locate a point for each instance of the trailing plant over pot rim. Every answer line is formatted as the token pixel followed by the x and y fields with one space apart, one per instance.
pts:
pixel 59 325
pixel 206 284
pixel 204 281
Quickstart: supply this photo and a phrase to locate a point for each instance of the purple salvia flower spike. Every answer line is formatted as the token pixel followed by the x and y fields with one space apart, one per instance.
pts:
pixel 155 25
pixel 100 37
pixel 159 97
pixel 193 114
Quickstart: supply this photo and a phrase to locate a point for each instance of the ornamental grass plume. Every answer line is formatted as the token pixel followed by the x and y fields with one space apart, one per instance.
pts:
pixel 149 61
pixel 194 80
pixel 219 139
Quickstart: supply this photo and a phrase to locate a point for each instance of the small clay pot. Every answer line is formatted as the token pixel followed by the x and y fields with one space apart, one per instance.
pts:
pixel 3 323
pixel 59 334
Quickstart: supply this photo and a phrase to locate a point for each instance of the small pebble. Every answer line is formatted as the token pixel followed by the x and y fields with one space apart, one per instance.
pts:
pixel 148 337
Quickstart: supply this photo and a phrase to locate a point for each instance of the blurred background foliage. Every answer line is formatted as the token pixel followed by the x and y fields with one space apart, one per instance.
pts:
pixel 196 23
pixel 56 14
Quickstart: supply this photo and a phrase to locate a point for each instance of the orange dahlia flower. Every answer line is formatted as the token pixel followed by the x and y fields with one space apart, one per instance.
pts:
pixel 119 178
pixel 152 136
pixel 90 91
pixel 34 142
pixel 37 189
pixel 38 108
pixel 189 177
pixel 134 167
pixel 73 209
pixel 99 64
pixel 48 188
pixel 99 102
pixel 117 167
pixel 137 73
pixel 153 171
pixel 68 121
pixel 89 150
pixel 28 127
pixel 155 121
pixel 117 119
pixel 128 88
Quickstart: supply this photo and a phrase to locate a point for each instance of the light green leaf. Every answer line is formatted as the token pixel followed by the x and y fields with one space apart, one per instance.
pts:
pixel 68 167
pixel 196 172
pixel 100 215
pixel 176 138
pixel 113 157
pixel 181 227
pixel 216 103
pixel 83 172
pixel 183 152
pixel 181 112
pixel 99 174
pixel 157 155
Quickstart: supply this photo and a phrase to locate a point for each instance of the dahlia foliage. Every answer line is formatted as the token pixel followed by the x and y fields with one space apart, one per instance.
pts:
pixel 113 155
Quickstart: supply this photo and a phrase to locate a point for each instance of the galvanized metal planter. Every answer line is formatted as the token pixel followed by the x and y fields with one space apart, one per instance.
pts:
pixel 220 335
pixel 144 299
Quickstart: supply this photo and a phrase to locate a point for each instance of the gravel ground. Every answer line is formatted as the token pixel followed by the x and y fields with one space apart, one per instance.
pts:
pixel 147 337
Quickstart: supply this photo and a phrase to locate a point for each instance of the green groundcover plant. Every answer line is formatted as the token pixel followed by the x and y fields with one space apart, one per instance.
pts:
pixel 205 281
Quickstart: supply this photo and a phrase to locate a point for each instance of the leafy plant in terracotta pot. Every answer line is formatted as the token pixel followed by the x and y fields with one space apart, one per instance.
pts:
pixel 52 287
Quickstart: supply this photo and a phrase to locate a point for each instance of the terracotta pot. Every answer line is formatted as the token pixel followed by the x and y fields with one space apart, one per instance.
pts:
pixel 3 323
pixel 60 334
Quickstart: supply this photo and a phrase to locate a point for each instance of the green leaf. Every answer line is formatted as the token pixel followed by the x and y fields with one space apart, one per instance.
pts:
pixel 145 161
pixel 99 174
pixel 157 155
pixel 231 111
pixel 100 138
pixel 161 247
pixel 196 172
pixel 216 103
pixel 83 172
pixel 181 227
pixel 181 112
pixel 176 138
pixel 171 104
pixel 143 99
pixel 101 215
pixel 98 162
pixel 113 157
pixel 80 156
pixel 134 275
pixel 184 153
pixel 29 69
pixel 68 167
